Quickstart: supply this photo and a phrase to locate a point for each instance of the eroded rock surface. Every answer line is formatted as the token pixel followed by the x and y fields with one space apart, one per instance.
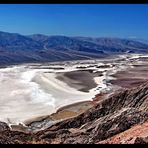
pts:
pixel 112 116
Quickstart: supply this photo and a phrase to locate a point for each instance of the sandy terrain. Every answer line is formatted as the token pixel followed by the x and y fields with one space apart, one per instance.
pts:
pixel 133 76
pixel 82 80
pixel 30 93
pixel 33 91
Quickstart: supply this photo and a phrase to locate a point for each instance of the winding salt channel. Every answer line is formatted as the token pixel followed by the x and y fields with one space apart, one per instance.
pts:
pixel 27 93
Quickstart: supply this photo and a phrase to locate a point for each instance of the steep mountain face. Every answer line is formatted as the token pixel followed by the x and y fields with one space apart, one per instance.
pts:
pixel 117 45
pixel 121 112
pixel 140 40
pixel 16 48
pixel 12 41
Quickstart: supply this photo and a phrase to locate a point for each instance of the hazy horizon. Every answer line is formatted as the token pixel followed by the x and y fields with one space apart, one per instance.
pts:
pixel 92 20
pixel 114 37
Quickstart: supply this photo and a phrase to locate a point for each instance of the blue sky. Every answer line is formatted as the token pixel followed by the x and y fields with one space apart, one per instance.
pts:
pixel 107 20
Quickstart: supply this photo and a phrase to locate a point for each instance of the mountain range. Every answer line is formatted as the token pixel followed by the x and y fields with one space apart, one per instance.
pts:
pixel 16 48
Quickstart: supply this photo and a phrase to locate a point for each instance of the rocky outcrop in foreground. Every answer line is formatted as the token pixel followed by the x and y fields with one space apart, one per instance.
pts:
pixel 120 114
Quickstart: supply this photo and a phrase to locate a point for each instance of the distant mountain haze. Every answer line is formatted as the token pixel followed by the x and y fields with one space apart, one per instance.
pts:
pixel 16 48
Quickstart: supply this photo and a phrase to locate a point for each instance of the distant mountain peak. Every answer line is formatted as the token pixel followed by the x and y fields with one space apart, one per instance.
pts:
pixel 17 48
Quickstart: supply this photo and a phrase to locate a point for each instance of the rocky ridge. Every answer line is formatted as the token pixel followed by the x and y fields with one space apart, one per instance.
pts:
pixel 117 114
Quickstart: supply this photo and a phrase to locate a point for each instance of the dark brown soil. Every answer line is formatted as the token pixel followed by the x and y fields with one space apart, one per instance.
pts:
pixel 82 80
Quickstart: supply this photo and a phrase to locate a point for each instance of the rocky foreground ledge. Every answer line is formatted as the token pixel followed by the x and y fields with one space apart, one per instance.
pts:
pixel 121 118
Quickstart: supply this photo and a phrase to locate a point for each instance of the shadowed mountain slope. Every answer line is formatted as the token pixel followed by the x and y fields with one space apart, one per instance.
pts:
pixel 16 48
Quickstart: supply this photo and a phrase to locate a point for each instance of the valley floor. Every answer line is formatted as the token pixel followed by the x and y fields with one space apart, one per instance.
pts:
pixel 54 92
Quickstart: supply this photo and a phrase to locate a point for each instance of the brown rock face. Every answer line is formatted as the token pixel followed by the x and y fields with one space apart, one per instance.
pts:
pixel 3 127
pixel 141 140
pixel 130 136
pixel 119 113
